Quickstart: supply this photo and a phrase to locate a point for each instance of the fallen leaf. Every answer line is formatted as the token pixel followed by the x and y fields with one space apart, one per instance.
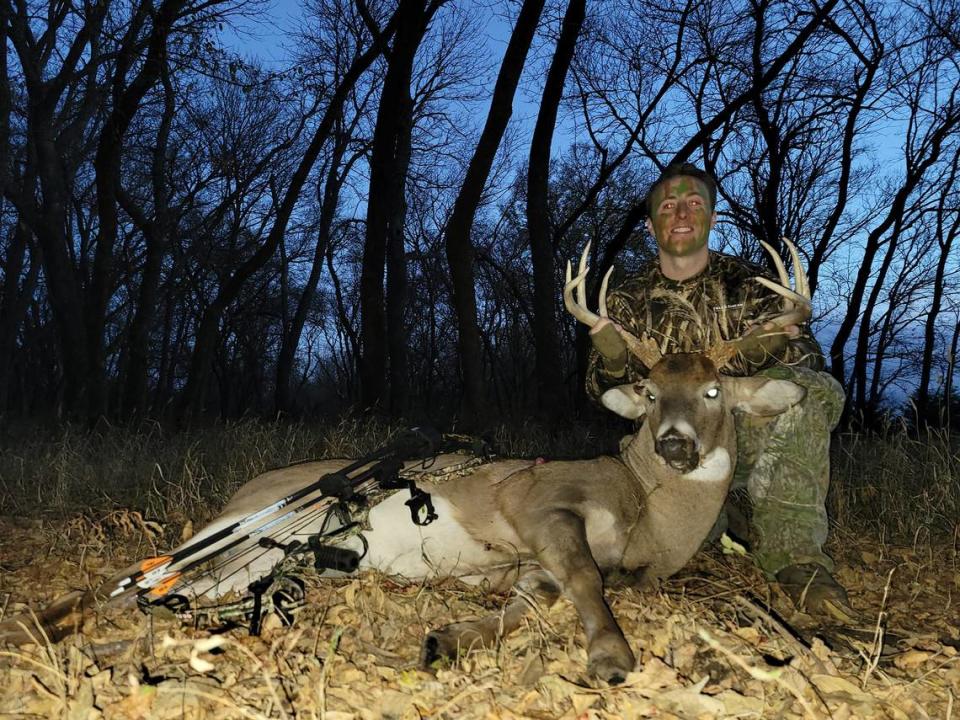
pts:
pixel 729 546
pixel 583 702
pixel 839 688
pixel 911 659
pixel 750 634
pixel 690 702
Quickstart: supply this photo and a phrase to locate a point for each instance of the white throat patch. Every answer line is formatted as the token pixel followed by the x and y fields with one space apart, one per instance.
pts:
pixel 714 467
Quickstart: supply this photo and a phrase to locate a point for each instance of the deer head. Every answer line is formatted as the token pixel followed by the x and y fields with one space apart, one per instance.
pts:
pixel 686 402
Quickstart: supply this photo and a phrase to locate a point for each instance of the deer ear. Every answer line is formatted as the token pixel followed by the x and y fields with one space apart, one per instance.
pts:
pixel 762 396
pixel 624 401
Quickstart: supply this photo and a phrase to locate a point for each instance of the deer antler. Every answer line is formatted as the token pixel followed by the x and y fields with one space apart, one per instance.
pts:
pixel 796 298
pixel 796 305
pixel 646 350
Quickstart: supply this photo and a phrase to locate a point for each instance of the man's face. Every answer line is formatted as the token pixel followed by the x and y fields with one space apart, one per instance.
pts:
pixel 681 216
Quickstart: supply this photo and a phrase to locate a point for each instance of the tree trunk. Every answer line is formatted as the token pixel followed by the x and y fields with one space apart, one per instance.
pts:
pixel 915 173
pixel 545 328
pixel 397 337
pixel 768 206
pixel 14 303
pixel 863 83
pixel 385 208
pixel 156 233
pixel 291 338
pixel 459 247
pixel 945 237
pixel 106 163
pixel 951 368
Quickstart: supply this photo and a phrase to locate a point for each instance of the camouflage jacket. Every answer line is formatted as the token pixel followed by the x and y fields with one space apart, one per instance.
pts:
pixel 722 302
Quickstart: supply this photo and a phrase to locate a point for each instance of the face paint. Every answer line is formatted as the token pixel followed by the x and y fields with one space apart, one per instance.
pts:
pixel 681 215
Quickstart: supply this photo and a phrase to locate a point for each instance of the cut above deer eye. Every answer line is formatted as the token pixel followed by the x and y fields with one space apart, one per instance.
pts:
pixel 713 393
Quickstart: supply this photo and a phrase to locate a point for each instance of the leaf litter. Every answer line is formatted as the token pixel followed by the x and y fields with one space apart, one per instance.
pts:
pixel 715 641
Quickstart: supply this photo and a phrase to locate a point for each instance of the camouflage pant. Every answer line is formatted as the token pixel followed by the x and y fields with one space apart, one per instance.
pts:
pixel 784 464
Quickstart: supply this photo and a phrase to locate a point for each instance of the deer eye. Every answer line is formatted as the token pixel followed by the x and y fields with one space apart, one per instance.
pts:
pixel 651 397
pixel 712 393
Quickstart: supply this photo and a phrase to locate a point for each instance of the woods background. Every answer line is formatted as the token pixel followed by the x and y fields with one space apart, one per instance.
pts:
pixel 187 234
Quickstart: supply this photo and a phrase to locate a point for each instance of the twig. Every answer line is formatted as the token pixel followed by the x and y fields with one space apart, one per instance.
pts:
pixel 327 661
pixel 266 676
pixel 471 690
pixel 874 659
pixel 188 690
pixel 762 675
pixel 786 633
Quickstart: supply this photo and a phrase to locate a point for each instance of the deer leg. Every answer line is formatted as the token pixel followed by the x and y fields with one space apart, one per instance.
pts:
pixel 450 640
pixel 560 540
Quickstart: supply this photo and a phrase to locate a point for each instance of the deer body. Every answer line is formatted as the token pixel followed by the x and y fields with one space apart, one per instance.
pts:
pixel 565 526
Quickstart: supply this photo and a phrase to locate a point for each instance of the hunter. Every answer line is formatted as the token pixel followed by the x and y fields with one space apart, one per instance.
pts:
pixel 693 296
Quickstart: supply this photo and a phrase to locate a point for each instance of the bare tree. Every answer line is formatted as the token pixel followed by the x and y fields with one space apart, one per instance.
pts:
pixel 545 328
pixel 362 57
pixel 381 322
pixel 934 117
pixel 946 229
pixel 459 247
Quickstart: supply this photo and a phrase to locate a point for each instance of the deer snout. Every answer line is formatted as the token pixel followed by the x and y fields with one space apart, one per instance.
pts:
pixel 680 451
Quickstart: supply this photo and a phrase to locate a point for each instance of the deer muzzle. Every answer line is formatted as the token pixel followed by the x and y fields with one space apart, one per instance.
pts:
pixel 679 451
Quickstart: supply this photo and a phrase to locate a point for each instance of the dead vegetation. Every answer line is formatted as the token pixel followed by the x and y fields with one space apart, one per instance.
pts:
pixel 715 641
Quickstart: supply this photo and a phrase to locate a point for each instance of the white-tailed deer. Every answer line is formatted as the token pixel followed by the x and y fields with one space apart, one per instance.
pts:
pixel 563 527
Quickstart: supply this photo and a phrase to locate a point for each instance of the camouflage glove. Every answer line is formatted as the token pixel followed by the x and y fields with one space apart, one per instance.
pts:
pixel 612 349
pixel 759 345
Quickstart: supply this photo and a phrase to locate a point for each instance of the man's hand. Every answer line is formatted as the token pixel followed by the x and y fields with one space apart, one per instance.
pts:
pixel 606 339
pixel 766 340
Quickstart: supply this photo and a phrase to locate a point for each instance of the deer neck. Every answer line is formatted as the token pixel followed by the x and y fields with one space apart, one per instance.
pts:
pixel 679 509
pixel 715 470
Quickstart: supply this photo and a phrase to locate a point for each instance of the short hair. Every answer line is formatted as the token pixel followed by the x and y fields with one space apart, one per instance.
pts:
pixel 689 170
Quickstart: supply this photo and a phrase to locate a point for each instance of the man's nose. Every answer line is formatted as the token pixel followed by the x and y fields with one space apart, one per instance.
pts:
pixel 682 208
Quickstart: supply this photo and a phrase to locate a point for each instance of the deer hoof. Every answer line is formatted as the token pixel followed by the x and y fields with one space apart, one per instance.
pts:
pixel 610 659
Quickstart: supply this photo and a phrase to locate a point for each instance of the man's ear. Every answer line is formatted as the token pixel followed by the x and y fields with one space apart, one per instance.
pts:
pixel 624 401
pixel 713 220
pixel 649 224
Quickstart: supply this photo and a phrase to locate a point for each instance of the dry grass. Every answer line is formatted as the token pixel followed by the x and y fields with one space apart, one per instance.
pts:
pixel 172 477
pixel 893 484
pixel 896 484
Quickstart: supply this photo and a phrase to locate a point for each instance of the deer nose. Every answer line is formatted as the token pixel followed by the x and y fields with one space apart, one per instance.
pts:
pixel 680 451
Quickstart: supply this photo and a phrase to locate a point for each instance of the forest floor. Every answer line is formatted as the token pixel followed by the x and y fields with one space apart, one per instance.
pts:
pixel 715 641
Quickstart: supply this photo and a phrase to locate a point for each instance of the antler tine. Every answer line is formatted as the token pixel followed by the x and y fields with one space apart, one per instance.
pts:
pixel 603 291
pixel 797 298
pixel 576 284
pixel 778 263
pixel 796 305
pixel 800 275
pixel 582 270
